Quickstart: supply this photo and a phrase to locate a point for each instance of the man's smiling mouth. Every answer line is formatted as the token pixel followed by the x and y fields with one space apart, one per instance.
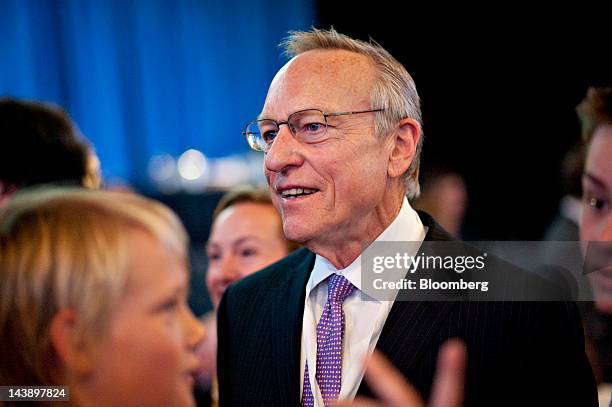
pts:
pixel 293 193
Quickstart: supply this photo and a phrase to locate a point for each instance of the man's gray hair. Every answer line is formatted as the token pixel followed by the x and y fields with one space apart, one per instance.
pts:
pixel 394 90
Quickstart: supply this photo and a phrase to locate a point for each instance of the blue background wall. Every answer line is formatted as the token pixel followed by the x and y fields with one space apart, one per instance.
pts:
pixel 148 77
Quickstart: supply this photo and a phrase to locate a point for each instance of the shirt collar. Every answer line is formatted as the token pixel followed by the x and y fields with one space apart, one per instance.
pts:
pixel 406 227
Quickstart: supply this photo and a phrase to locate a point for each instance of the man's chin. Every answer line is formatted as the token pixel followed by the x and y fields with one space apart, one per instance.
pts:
pixel 297 231
pixel 298 238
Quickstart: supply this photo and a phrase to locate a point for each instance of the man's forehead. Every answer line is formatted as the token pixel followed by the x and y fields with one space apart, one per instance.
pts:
pixel 334 61
pixel 329 77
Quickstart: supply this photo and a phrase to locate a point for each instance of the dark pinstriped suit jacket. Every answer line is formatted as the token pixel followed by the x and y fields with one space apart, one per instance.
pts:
pixel 519 353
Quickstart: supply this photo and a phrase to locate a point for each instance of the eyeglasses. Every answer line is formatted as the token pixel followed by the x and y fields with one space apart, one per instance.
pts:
pixel 307 126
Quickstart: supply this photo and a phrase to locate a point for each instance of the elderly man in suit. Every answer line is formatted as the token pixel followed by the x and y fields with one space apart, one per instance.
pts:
pixel 341 133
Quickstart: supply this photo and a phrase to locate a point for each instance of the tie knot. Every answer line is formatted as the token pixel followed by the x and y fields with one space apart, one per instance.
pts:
pixel 338 288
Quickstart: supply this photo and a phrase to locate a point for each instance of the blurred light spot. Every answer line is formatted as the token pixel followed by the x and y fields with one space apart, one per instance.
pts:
pixel 230 171
pixel 192 165
pixel 162 167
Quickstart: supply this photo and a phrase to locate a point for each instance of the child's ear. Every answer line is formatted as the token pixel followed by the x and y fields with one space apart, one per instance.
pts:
pixel 73 349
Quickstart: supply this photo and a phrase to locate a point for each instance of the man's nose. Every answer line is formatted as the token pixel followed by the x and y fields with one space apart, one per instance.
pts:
pixel 284 151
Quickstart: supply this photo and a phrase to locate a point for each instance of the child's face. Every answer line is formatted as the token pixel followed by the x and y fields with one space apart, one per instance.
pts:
pixel 146 354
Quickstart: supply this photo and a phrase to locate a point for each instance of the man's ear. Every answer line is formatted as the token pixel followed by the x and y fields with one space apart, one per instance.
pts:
pixel 73 349
pixel 405 141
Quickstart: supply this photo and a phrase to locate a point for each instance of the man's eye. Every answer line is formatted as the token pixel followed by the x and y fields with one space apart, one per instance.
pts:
pixel 269 136
pixel 314 127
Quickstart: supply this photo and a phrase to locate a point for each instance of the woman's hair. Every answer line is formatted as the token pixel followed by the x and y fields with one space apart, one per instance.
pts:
pixel 250 195
pixel 67 248
pixel 595 110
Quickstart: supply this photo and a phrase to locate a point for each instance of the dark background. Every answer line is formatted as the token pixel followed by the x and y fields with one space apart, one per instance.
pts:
pixel 498 89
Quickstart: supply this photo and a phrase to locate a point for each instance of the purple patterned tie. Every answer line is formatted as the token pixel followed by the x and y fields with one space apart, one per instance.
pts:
pixel 330 333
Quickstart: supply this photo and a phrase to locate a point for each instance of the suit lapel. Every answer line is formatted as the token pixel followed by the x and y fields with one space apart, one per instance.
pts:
pixel 289 296
pixel 409 328
pixel 411 325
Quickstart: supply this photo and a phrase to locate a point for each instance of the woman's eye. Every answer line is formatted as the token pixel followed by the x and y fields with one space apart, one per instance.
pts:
pixel 597 204
pixel 213 256
pixel 247 252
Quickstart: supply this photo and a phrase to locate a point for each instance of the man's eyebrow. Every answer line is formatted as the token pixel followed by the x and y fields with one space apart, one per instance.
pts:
pixel 595 180
pixel 261 116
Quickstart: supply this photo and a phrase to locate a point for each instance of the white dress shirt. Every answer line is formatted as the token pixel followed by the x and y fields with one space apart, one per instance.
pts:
pixel 364 318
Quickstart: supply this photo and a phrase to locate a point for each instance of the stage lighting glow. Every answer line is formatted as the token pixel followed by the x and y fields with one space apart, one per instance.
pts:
pixel 192 165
